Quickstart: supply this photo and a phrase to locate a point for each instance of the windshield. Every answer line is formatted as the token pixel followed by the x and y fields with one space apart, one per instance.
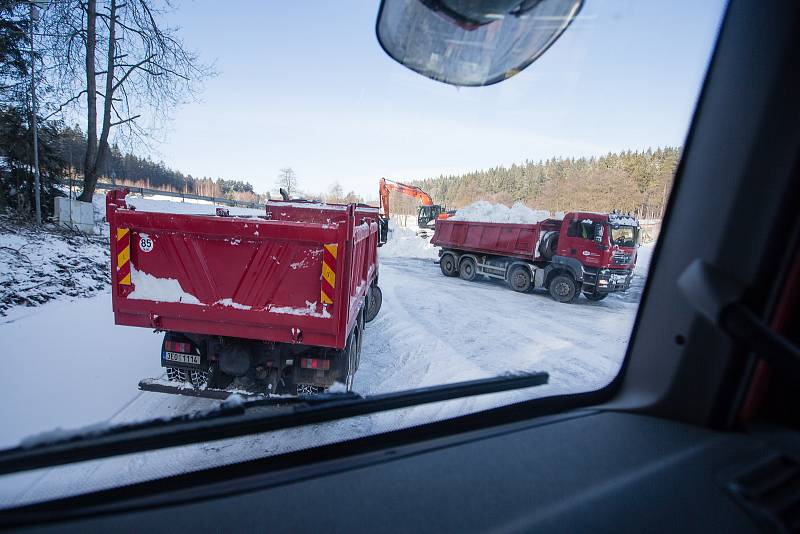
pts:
pixel 624 236
pixel 230 210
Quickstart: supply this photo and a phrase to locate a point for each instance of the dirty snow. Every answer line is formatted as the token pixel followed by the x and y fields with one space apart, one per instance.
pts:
pixel 58 434
pixel 231 304
pixel 41 264
pixel 149 287
pixel 310 310
pixel 483 211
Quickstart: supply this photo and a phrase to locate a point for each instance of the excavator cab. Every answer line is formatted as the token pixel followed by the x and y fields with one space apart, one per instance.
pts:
pixel 426 215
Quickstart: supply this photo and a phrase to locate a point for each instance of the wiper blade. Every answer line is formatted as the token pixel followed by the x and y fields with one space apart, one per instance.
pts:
pixel 242 419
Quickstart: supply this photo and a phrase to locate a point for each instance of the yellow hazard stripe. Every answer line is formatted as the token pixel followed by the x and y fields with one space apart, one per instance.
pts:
pixel 325 298
pixel 332 248
pixel 328 275
pixel 123 257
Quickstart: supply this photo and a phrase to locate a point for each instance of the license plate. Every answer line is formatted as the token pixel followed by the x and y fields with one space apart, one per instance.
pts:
pixel 179 357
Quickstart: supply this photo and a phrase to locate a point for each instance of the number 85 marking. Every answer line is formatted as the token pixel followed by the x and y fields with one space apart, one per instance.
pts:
pixel 145 244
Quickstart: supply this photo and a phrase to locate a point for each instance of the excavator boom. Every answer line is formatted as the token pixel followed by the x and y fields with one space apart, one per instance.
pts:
pixel 385 186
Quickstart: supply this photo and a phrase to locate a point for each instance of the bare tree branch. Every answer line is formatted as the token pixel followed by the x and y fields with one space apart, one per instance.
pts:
pixel 65 104
pixel 146 67
pixel 129 119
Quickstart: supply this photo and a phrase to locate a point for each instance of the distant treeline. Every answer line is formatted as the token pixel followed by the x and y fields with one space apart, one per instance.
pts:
pixel 132 170
pixel 638 182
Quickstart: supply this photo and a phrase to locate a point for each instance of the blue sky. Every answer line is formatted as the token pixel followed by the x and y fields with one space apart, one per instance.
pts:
pixel 306 85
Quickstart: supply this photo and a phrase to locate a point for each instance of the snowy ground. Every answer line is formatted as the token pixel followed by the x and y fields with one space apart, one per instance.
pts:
pixel 37 266
pixel 73 367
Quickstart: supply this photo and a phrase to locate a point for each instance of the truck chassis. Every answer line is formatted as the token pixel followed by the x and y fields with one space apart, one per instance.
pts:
pixel 563 278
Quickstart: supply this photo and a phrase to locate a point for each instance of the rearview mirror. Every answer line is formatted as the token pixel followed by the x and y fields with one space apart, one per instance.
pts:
pixel 471 42
pixel 598 232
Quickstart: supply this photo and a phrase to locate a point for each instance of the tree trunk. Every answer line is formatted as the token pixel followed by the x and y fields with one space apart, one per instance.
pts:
pixel 103 148
pixel 89 169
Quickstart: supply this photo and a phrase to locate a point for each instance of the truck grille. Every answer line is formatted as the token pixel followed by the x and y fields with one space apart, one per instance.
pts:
pixel 620 257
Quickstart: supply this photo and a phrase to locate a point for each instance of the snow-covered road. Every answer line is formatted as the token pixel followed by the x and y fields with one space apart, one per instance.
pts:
pixel 72 366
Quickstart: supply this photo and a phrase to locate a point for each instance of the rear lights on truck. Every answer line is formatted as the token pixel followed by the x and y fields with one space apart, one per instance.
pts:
pixel 315 363
pixel 176 346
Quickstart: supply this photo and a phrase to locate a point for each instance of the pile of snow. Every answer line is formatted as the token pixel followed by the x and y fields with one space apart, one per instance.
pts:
pixel 624 220
pixel 483 211
pixel 39 264
pixel 404 242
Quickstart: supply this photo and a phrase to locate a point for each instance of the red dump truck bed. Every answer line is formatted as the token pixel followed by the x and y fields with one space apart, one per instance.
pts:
pixel 297 274
pixel 502 239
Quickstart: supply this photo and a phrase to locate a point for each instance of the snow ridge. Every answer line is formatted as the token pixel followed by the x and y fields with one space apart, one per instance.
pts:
pixel 483 211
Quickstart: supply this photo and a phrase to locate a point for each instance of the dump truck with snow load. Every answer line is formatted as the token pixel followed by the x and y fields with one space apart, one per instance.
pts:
pixel 269 304
pixel 589 253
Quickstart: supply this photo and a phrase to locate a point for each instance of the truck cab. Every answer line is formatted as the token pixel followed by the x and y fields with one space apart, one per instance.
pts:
pixel 599 250
pixel 584 253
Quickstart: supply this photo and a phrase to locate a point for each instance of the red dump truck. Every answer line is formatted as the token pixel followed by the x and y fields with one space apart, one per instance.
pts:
pixel 589 253
pixel 271 304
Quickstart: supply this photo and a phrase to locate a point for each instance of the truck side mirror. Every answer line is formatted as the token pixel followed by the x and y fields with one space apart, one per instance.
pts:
pixel 598 233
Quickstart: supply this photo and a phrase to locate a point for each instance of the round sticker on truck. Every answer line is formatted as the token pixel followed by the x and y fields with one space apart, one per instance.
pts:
pixel 145 243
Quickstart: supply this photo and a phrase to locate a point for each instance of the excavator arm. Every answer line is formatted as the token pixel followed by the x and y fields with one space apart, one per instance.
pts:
pixel 385 186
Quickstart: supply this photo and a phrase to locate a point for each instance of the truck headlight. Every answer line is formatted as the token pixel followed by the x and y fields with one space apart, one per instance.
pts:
pixel 603 282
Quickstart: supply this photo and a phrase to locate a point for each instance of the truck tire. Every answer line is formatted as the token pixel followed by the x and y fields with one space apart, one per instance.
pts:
pixel 361 324
pixel 467 269
pixel 595 297
pixel 352 353
pixel 563 288
pixel 519 279
pixel 374 302
pixel 448 264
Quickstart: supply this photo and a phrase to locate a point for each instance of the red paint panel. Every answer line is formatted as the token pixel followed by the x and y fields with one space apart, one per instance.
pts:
pixel 516 240
pixel 267 270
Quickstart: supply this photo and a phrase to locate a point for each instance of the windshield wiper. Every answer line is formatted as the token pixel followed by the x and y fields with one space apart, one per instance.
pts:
pixel 232 420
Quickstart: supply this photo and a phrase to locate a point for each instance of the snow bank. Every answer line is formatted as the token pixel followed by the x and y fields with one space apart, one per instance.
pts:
pixel 39 264
pixel 483 211
pixel 405 243
pixel 148 287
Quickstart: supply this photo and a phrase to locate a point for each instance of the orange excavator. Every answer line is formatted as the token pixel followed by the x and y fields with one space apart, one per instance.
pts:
pixel 427 213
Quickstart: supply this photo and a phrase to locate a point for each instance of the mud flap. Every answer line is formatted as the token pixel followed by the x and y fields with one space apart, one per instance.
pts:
pixel 174 388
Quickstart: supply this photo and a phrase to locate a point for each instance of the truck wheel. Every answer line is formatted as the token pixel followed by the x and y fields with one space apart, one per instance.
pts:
pixel 374 302
pixel 449 265
pixel 519 279
pixel 352 353
pixel 361 323
pixel 596 297
pixel 563 288
pixel 467 269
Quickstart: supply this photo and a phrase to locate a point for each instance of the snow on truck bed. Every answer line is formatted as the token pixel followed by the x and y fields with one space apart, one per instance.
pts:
pixel 483 211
